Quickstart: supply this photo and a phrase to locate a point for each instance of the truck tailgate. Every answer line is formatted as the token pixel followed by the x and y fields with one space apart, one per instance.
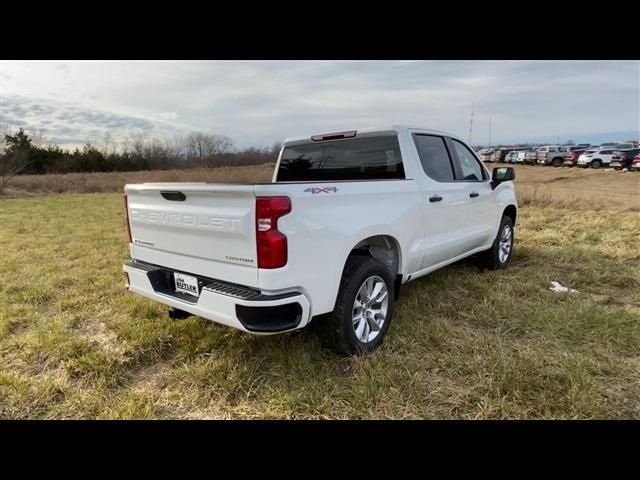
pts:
pixel 200 228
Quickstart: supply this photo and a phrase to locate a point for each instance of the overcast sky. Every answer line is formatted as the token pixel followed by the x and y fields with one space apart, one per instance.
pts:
pixel 259 102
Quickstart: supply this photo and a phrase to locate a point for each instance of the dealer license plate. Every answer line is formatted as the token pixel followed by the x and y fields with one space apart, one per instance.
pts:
pixel 186 284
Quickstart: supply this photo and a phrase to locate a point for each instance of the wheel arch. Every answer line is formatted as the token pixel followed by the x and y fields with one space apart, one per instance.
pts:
pixel 386 248
pixel 512 212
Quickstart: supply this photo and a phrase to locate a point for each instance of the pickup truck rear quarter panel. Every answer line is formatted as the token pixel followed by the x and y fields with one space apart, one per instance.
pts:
pixel 323 228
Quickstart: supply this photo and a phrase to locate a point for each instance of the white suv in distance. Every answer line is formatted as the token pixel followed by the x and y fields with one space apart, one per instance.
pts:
pixel 596 158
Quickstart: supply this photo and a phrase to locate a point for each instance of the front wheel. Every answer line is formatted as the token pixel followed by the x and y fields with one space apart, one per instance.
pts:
pixel 556 162
pixel 596 164
pixel 363 308
pixel 499 254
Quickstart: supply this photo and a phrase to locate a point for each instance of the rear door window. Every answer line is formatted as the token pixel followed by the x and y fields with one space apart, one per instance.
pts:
pixel 434 157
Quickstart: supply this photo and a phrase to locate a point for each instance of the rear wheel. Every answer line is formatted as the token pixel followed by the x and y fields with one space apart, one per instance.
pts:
pixel 596 164
pixel 556 162
pixel 363 309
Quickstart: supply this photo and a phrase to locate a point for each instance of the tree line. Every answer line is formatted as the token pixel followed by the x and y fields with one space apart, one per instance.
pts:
pixel 21 153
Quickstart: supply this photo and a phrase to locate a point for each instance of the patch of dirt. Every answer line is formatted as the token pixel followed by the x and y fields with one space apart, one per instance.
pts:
pixel 99 335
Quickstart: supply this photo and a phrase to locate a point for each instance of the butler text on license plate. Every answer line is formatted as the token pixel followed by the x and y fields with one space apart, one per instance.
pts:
pixel 186 284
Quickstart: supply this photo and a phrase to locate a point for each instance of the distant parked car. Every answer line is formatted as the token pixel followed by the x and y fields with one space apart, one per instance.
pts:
pixel 571 158
pixel 623 158
pixel 584 158
pixel 486 155
pixel 624 146
pixel 511 157
pixel 596 158
pixel 635 165
pixel 499 154
pixel 528 157
pixel 551 155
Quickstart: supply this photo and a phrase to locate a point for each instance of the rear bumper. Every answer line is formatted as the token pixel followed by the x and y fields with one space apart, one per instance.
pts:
pixel 233 305
pixel 620 164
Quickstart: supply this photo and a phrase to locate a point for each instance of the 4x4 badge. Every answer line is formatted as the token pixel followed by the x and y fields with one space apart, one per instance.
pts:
pixel 315 190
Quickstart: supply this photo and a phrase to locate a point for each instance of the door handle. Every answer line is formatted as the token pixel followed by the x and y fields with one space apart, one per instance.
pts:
pixel 435 198
pixel 474 194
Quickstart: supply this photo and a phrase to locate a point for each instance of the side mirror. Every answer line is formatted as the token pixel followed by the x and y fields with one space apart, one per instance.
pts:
pixel 502 174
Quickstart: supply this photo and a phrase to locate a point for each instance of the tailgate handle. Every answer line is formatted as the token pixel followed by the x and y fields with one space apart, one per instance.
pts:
pixel 174 196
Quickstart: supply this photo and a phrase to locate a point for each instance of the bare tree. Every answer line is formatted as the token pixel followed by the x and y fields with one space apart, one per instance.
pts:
pixel 135 143
pixel 175 151
pixel 108 144
pixel 38 137
pixel 5 129
pixel 155 154
pixel 203 149
pixel 11 163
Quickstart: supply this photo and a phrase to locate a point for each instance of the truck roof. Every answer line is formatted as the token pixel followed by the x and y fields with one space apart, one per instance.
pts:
pixel 373 130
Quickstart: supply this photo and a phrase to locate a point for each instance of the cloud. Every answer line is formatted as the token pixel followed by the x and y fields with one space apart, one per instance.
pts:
pixel 258 102
pixel 64 123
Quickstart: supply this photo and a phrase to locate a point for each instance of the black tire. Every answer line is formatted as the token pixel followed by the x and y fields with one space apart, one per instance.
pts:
pixel 336 330
pixel 490 259
pixel 596 164
pixel 556 162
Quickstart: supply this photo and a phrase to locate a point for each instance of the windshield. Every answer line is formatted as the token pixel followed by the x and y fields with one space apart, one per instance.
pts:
pixel 352 159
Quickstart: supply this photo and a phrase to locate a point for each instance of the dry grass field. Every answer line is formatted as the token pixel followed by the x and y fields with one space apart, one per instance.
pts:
pixel 115 181
pixel 544 186
pixel 74 344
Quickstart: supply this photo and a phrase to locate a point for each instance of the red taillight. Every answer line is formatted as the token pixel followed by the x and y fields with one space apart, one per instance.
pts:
pixel 271 244
pixel 126 212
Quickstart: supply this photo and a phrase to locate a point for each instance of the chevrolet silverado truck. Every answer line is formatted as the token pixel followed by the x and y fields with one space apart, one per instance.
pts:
pixel 348 219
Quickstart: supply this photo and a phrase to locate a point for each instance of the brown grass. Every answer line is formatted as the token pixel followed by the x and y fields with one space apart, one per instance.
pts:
pixel 29 185
pixel 75 344
pixel 578 189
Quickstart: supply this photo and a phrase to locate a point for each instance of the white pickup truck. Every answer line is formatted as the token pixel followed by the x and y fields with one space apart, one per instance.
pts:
pixel 348 218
